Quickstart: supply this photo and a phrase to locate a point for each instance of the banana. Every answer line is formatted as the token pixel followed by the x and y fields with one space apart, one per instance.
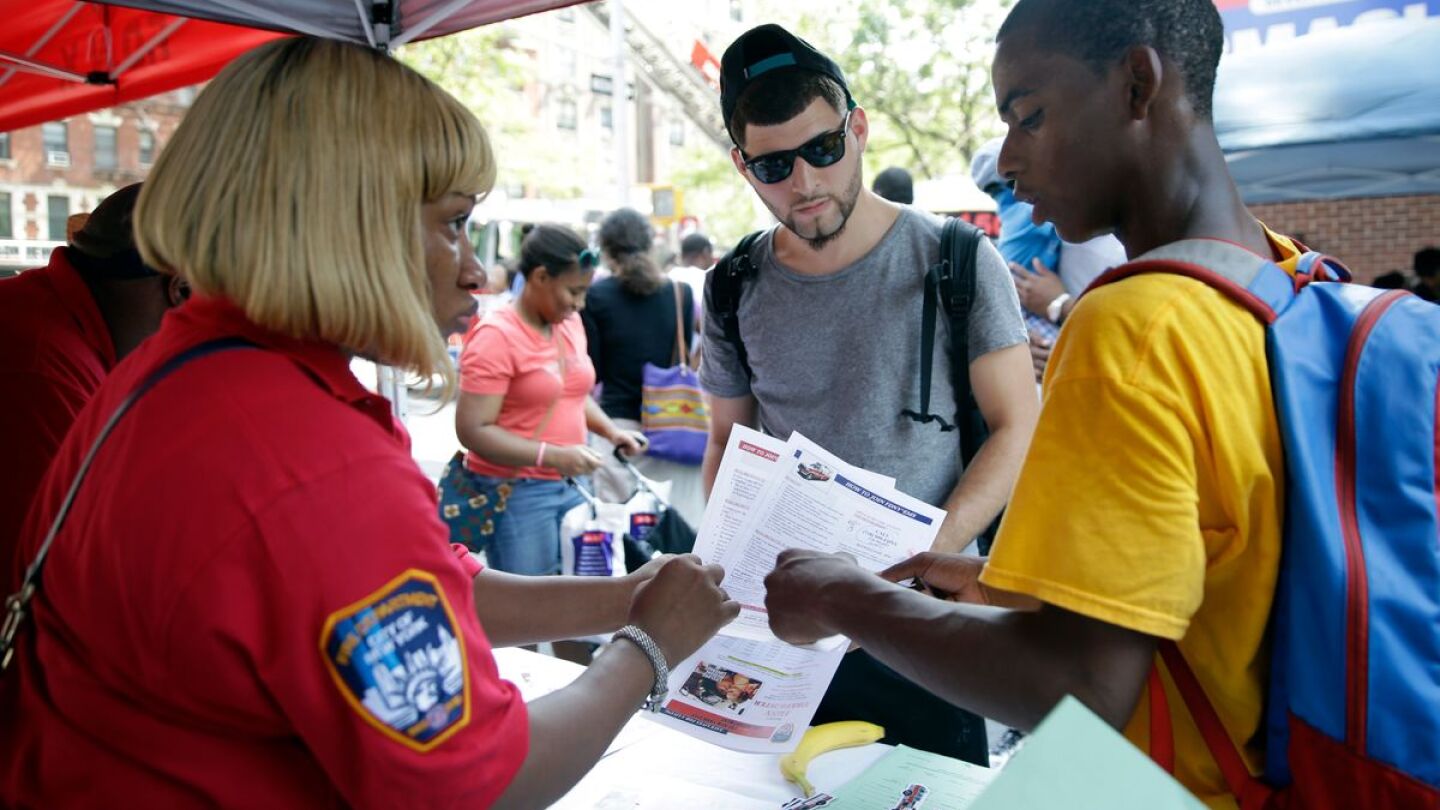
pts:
pixel 820 739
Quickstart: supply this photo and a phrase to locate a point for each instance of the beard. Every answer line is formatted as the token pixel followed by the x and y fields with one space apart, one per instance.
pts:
pixel 825 233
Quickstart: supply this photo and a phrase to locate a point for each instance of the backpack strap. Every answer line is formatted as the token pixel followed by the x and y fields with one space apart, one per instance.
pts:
pixel 1249 792
pixel 723 285
pixel 17 602
pixel 1254 282
pixel 950 284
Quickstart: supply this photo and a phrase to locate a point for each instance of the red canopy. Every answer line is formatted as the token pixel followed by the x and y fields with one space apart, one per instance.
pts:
pixel 64 57
pixel 49 48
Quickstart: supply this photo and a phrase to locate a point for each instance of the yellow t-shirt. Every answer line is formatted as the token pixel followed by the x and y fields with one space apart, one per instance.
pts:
pixel 1152 495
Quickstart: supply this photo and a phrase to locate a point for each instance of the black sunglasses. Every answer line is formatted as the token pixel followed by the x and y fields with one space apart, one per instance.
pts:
pixel 825 149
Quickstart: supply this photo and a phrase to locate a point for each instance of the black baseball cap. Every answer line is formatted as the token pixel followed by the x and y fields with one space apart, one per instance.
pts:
pixel 765 50
pixel 105 246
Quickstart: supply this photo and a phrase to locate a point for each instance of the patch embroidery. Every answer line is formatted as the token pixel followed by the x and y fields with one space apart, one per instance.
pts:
pixel 399 660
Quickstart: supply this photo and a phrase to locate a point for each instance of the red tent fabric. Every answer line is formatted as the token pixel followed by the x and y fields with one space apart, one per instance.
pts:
pixel 49 47
pixel 64 57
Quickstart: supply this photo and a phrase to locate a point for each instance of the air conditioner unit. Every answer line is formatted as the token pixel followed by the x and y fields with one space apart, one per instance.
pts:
pixel 58 159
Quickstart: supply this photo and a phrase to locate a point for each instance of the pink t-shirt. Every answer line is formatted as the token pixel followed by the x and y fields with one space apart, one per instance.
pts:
pixel 505 356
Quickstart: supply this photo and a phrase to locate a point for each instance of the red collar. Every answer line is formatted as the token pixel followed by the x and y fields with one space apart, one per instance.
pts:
pixel 206 317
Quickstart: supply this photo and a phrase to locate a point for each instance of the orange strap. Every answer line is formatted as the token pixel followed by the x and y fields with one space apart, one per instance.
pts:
pixel 1162 735
pixel 1250 792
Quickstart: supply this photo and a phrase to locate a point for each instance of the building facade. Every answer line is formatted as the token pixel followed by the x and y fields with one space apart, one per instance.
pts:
pixel 66 167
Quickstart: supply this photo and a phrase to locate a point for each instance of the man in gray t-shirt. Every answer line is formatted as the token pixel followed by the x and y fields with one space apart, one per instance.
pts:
pixel 831 321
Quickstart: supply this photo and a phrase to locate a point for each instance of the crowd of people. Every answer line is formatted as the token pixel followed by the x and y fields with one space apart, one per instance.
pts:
pixel 244 568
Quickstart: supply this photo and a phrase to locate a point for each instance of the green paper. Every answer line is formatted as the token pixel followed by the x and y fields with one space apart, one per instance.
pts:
pixel 1076 761
pixel 948 784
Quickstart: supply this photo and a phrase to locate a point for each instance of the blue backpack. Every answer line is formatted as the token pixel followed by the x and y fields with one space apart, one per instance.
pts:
pixel 1352 715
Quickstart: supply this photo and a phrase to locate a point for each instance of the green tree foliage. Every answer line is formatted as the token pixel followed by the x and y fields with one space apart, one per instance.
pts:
pixel 921 69
pixel 493 76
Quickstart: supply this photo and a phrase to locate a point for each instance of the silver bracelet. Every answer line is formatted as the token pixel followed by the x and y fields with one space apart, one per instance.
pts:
pixel 647 645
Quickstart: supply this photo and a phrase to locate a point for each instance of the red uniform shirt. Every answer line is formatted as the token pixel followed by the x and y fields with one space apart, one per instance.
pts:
pixel 252 602
pixel 54 351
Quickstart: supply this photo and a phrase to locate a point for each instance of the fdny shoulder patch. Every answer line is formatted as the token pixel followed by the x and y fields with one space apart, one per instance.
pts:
pixel 399 659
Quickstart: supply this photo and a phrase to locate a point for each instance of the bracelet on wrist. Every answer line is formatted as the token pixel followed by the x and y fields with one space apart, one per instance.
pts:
pixel 647 645
pixel 540 455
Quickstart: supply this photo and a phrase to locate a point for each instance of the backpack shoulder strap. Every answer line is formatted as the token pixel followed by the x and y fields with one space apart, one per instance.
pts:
pixel 1254 282
pixel 960 241
pixel 950 284
pixel 723 285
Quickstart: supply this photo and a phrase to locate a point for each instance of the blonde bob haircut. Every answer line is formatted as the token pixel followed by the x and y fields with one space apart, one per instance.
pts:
pixel 293 188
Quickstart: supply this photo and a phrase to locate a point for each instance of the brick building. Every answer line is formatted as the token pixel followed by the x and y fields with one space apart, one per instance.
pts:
pixel 1372 235
pixel 51 171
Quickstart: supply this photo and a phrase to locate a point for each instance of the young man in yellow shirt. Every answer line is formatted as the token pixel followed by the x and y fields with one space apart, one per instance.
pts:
pixel 1150 504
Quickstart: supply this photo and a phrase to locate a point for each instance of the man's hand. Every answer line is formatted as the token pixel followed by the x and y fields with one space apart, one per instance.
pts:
pixel 1040 355
pixel 1036 289
pixel 793 593
pixel 955 577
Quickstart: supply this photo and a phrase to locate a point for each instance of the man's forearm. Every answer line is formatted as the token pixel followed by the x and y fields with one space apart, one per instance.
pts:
pixel 1011 666
pixel 983 489
pixel 710 466
pixel 526 610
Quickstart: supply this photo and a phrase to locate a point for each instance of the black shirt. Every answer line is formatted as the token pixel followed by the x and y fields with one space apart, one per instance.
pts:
pixel 626 331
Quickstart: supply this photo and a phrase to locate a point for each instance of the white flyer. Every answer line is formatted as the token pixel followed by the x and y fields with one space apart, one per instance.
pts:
pixel 748 695
pixel 745 689
pixel 749 462
pixel 816 501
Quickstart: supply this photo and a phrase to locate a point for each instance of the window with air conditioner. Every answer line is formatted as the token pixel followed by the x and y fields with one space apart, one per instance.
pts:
pixel 58 210
pixel 106 156
pixel 56 135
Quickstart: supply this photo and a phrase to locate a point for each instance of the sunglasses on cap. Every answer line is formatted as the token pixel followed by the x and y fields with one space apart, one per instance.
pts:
pixel 825 149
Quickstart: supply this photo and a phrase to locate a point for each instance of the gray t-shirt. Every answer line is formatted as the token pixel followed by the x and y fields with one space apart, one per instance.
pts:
pixel 837 357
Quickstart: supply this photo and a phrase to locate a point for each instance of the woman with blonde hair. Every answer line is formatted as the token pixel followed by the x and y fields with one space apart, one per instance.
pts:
pixel 249 575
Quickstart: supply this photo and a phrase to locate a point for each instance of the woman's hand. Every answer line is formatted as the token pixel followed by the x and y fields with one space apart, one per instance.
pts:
pixel 682 605
pixel 630 443
pixel 572 461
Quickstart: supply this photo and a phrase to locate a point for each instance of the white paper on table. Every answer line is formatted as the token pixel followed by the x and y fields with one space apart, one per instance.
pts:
pixel 748 695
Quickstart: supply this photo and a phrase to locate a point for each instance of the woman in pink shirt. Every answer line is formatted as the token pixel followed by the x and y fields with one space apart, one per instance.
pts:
pixel 525 406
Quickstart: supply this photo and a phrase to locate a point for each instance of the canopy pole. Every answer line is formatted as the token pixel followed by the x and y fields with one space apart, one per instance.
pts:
pixel 32 66
pixel 49 35
pixel 148 47
pixel 382 23
pixel 364 19
pixel 442 14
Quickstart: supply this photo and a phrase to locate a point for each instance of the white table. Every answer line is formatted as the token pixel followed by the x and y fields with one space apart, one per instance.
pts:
pixel 650 767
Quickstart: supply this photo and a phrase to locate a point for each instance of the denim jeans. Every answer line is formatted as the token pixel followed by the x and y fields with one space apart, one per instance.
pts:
pixel 527 539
